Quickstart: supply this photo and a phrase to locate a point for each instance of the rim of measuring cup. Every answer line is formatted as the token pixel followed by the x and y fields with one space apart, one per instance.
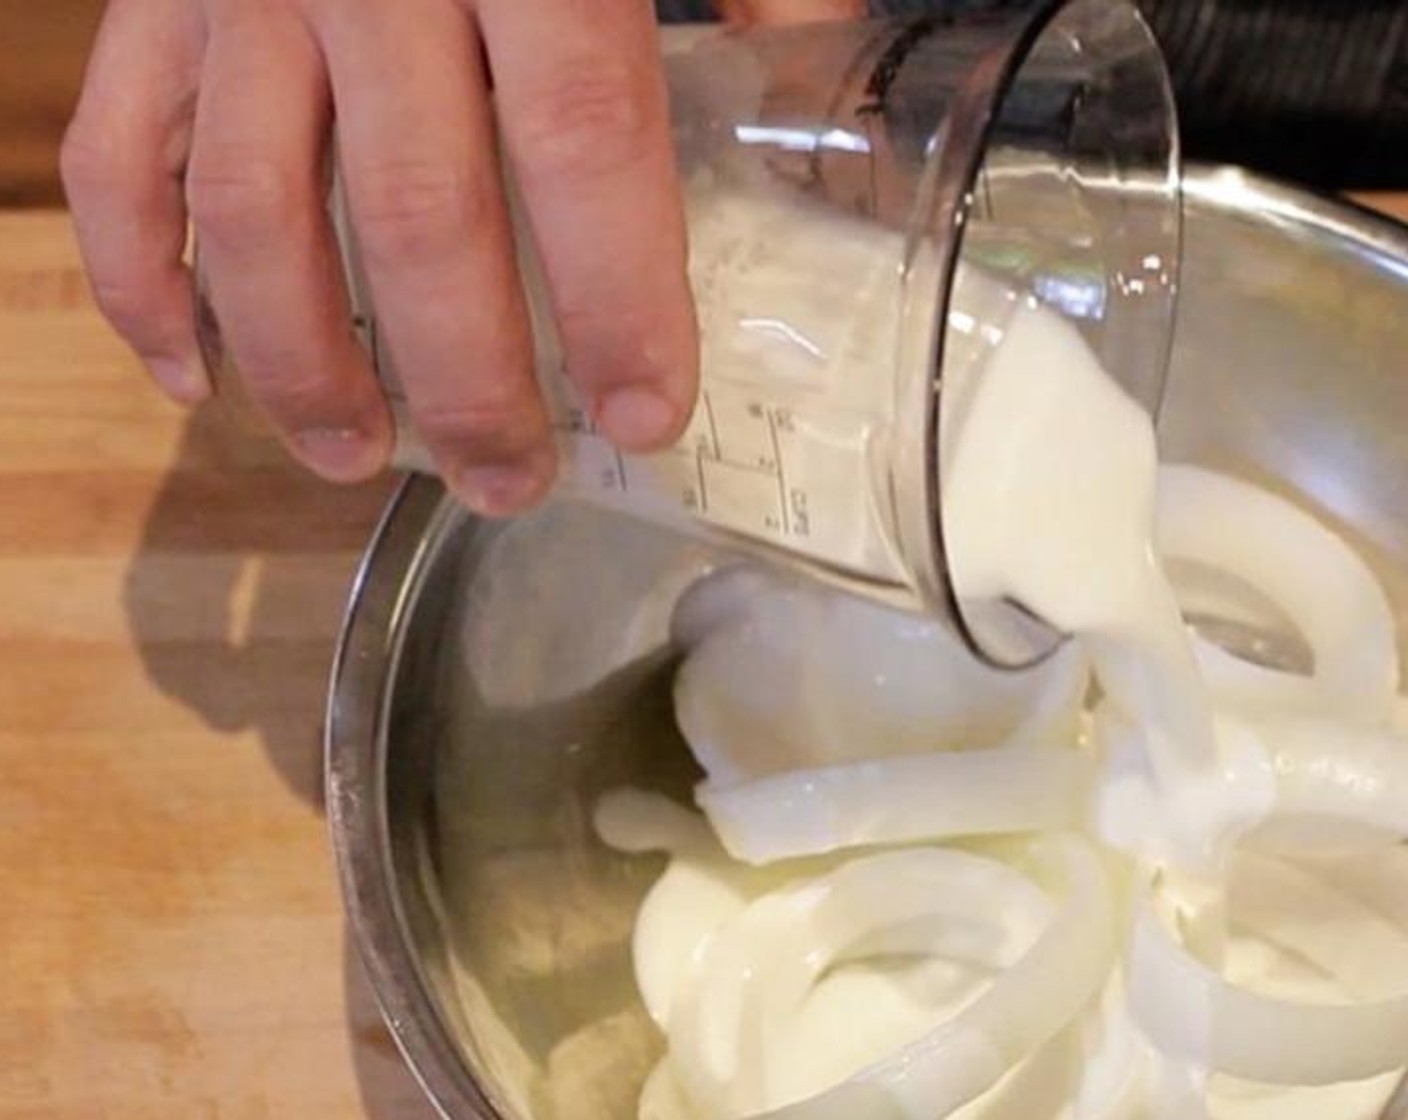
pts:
pixel 953 172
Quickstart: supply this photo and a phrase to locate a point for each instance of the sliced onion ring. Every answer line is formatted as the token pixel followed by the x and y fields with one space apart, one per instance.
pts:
pixel 754 973
pixel 1292 906
pixel 1311 575
pixel 896 800
pixel 1196 1016
pixel 1334 769
pixel 1024 1007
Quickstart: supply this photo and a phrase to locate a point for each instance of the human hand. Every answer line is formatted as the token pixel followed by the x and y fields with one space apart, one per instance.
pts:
pixel 222 111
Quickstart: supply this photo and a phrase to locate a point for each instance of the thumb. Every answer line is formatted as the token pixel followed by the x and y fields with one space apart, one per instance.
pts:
pixel 790 11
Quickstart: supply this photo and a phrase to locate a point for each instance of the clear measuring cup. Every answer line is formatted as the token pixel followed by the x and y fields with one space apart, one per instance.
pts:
pixel 852 189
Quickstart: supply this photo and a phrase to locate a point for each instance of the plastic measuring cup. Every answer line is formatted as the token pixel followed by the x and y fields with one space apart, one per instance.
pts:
pixel 850 188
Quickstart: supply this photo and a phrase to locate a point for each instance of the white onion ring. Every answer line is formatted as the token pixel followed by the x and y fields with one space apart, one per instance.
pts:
pixel 1378 881
pixel 1288 906
pixel 762 964
pixel 1245 686
pixel 1311 575
pixel 1025 1007
pixel 700 891
pixel 1036 1088
pixel 1334 769
pixel 685 908
pixel 1194 1015
pixel 897 800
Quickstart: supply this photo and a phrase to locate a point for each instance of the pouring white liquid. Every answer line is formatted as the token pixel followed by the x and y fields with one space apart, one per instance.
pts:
pixel 1049 499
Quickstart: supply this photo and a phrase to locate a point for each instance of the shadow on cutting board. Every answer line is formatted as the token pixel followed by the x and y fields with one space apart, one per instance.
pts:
pixel 241 542
pixel 237 590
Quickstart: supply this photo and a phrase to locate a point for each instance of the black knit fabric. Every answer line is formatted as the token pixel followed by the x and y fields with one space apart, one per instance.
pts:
pixel 1314 90
pixel 1309 90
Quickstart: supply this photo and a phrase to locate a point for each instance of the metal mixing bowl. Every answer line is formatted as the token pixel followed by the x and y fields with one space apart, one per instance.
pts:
pixel 494 679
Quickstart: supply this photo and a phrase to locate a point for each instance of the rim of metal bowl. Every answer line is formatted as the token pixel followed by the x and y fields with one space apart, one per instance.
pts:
pixel 381 603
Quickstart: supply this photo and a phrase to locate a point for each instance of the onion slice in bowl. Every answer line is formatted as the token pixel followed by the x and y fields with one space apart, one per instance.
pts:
pixel 1193 1014
pixel 1334 769
pixel 747 997
pixel 750 980
pixel 897 800
pixel 1308 571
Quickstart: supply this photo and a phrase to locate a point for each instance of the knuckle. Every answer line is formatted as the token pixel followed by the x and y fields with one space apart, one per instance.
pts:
pixel 303 388
pixel 413 212
pixel 619 333
pixel 584 317
pixel 295 399
pixel 504 425
pixel 594 115
pixel 233 198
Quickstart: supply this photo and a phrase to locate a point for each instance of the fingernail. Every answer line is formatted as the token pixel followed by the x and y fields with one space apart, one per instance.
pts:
pixel 183 381
pixel 339 454
pixel 504 489
pixel 638 418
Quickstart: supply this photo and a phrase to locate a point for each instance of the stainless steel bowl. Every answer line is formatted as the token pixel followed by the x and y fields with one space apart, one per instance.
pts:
pixel 493 679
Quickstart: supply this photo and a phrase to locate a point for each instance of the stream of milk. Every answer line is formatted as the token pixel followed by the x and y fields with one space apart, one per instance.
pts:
pixel 1049 494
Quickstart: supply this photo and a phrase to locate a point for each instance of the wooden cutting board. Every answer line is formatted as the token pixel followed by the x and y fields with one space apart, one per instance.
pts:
pixel 1394 205
pixel 171 946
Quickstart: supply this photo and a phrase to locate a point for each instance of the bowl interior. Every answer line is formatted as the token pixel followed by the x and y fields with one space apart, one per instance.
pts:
pixel 533 666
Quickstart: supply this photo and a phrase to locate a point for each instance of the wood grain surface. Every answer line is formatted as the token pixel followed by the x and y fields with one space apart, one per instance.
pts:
pixel 171 946
pixel 43 46
pixel 1395 205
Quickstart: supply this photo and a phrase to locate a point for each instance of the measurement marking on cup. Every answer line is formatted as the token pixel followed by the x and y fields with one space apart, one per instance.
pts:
pixel 772 417
pixel 801 512
pixel 713 427
pixel 703 486
pixel 744 484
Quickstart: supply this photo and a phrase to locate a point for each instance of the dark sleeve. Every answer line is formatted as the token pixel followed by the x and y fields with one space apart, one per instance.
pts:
pixel 1312 90
pixel 683 11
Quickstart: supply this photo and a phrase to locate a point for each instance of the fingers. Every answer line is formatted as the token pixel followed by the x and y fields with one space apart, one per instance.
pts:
pixel 122 163
pixel 581 98
pixel 257 196
pixel 790 11
pixel 417 148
